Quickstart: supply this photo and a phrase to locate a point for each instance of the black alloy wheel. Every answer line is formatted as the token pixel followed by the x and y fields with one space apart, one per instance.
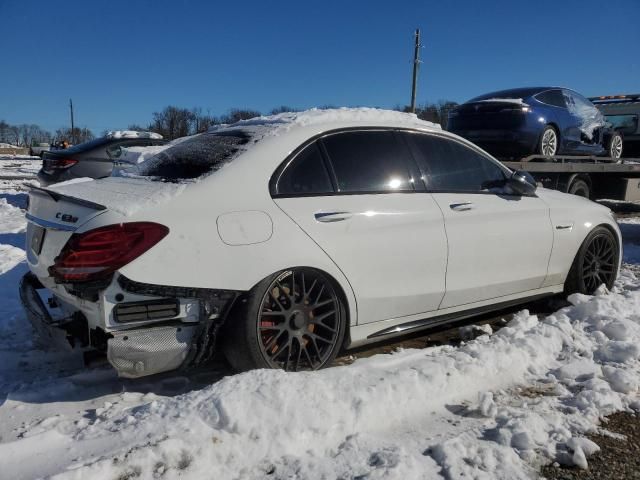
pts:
pixel 294 320
pixel 595 264
pixel 300 321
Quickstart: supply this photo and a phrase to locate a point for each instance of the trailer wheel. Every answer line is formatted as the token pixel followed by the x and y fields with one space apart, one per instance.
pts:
pixel 580 187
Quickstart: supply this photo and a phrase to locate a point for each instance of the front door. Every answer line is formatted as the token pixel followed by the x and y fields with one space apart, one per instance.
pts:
pixel 387 238
pixel 499 244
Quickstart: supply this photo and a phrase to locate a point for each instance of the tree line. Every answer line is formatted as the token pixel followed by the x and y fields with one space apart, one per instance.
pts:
pixel 174 122
pixel 28 135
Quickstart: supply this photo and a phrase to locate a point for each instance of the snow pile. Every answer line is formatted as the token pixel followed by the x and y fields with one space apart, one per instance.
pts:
pixel 134 155
pixel 495 407
pixel 12 218
pixel 516 101
pixel 275 124
pixel 133 134
pixel 122 195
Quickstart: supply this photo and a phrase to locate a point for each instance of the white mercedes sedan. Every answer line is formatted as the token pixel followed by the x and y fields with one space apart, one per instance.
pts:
pixel 283 239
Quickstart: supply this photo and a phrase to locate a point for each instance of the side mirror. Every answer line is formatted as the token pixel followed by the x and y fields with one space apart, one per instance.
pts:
pixel 522 183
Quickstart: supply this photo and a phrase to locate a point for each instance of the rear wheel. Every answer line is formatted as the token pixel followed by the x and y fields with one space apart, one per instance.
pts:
pixel 596 263
pixel 293 320
pixel 548 144
pixel 614 149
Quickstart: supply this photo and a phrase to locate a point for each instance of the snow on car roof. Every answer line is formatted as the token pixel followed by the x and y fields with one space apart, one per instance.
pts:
pixel 282 122
pixel 133 134
pixel 517 101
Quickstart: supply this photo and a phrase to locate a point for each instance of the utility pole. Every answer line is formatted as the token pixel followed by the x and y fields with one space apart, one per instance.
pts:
pixel 416 64
pixel 73 132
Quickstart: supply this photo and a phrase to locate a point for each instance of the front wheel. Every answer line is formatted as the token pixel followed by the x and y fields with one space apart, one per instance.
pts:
pixel 596 263
pixel 614 149
pixel 293 320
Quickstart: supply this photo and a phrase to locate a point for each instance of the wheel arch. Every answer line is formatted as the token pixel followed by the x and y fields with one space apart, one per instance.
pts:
pixel 618 236
pixel 348 303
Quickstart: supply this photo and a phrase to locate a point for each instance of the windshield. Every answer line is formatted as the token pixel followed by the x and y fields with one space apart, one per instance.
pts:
pixel 195 156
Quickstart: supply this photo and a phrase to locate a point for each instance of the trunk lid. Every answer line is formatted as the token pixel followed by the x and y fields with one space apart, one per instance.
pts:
pixel 56 212
pixel 488 114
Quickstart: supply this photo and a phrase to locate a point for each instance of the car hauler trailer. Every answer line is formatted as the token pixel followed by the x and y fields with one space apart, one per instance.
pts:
pixel 623 112
pixel 591 177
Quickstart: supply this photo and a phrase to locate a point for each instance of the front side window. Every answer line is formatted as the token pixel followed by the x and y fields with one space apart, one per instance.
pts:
pixel 450 166
pixel 369 161
pixel 305 174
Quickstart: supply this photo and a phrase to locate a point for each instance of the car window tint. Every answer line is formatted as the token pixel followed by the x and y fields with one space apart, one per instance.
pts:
pixel 368 161
pixel 451 166
pixel 552 97
pixel 305 175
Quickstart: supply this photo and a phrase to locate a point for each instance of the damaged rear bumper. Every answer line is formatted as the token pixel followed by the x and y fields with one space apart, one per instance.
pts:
pixel 48 331
pixel 142 352
pixel 137 348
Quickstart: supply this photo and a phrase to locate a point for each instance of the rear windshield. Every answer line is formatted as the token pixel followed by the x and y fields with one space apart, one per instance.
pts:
pixel 195 156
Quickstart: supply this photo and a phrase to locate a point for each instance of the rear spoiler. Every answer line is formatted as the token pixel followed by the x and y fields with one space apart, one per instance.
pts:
pixel 59 196
pixel 632 97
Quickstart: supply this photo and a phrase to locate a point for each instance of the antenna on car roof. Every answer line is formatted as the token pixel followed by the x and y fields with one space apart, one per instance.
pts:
pixel 416 64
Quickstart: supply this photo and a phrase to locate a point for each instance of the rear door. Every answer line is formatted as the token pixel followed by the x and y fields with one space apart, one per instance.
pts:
pixel 560 116
pixel 499 244
pixel 353 193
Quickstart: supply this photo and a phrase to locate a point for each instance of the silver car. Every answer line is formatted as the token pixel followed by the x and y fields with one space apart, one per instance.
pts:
pixel 93 159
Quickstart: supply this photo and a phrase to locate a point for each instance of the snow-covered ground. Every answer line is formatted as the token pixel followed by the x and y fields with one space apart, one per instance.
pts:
pixel 492 408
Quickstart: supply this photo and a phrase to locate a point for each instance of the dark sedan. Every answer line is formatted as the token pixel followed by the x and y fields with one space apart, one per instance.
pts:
pixel 545 120
pixel 93 159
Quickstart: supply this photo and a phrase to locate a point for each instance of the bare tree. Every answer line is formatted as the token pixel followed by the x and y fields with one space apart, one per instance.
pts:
pixel 172 122
pixel 236 114
pixel 78 135
pixel 283 109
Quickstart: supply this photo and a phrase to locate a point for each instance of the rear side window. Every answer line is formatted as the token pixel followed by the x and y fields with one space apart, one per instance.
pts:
pixel 195 156
pixel 369 161
pixel 552 97
pixel 452 167
pixel 305 174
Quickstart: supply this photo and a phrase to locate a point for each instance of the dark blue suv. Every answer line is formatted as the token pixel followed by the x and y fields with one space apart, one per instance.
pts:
pixel 543 120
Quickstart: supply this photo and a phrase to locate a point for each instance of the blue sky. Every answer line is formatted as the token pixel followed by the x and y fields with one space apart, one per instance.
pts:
pixel 122 60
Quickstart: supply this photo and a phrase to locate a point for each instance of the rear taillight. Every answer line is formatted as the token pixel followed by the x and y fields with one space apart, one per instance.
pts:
pixel 96 254
pixel 51 165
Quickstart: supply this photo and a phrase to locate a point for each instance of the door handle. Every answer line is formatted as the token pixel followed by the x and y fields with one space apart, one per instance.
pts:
pixel 566 226
pixel 462 206
pixel 330 217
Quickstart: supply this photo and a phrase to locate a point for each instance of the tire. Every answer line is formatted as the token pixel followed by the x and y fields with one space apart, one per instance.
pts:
pixel 595 263
pixel 293 320
pixel 615 146
pixel 548 143
pixel 580 188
